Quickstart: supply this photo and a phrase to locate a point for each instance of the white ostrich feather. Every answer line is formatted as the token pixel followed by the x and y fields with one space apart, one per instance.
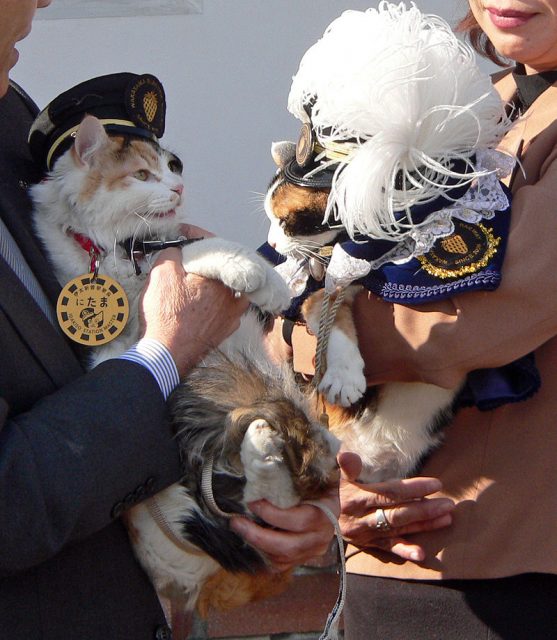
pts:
pixel 400 84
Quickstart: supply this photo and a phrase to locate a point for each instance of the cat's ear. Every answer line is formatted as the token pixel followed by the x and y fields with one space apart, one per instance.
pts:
pixel 283 152
pixel 90 138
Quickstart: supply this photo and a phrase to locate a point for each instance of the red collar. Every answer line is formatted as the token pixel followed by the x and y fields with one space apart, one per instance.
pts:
pixel 86 243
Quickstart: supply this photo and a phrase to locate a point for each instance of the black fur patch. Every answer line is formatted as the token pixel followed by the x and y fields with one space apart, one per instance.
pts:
pixel 221 543
pixel 304 222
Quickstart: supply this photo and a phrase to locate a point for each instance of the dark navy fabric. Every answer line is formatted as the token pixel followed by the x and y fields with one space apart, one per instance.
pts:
pixel 409 283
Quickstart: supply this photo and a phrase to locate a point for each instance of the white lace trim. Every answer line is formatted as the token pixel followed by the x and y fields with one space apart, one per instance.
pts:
pixel 295 272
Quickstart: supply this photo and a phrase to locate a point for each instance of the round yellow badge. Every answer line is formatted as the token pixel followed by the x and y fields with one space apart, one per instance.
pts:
pixel 92 311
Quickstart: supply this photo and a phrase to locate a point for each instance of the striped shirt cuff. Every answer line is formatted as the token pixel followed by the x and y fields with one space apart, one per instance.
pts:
pixel 155 357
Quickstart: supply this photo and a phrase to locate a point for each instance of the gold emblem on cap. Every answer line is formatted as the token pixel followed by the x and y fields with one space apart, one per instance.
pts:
pixel 150 105
pixel 466 251
pixel 92 310
pixel 304 147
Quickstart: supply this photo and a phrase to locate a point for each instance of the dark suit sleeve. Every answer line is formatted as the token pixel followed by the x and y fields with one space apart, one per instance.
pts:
pixel 81 455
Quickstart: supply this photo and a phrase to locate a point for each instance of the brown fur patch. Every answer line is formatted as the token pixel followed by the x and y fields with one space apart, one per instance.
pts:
pixel 289 198
pixel 344 320
pixel 225 591
pixel 299 209
pixel 117 161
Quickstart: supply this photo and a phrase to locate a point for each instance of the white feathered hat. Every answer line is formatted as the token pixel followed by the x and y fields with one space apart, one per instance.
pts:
pixel 395 106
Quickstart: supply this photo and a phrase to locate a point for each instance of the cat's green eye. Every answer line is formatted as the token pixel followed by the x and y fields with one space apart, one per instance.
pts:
pixel 142 175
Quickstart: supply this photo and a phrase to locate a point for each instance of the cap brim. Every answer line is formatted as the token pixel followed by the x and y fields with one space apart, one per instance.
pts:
pixel 322 179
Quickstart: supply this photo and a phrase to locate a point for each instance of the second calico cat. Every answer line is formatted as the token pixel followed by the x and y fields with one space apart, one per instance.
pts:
pixel 391 427
pixel 393 185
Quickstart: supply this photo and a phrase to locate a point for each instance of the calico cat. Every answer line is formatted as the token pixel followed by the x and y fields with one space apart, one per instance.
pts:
pixel 245 431
pixel 398 150
pixel 391 426
pixel 109 192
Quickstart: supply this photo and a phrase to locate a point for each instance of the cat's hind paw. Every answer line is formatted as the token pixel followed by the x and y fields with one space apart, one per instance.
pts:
pixel 343 385
pixel 267 475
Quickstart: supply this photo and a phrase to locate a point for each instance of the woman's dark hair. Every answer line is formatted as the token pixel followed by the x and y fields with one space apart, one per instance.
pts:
pixel 478 39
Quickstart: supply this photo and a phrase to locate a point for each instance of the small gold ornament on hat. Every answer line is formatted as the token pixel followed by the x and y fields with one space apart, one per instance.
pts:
pixel 304 146
pixel 455 244
pixel 150 105
pixel 92 309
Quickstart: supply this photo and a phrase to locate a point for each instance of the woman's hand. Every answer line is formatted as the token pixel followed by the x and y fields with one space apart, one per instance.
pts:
pixel 301 532
pixel 405 504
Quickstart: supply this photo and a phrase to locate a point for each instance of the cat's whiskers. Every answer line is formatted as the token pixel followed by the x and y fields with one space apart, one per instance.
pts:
pixel 256 196
pixel 144 218
pixel 309 252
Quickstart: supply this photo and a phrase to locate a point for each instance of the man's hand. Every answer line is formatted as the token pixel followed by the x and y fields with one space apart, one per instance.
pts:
pixel 190 315
pixel 301 532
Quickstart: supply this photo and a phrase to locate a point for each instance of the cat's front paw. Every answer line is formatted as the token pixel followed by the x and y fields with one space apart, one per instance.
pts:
pixel 274 296
pixel 236 266
pixel 343 382
pixel 239 268
pixel 343 385
pixel 243 272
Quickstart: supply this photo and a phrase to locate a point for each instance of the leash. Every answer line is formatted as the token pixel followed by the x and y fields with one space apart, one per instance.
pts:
pixel 158 516
pixel 331 630
pixel 207 491
pixel 326 320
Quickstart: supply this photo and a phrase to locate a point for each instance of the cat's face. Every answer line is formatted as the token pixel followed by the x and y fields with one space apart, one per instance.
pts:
pixel 118 187
pixel 296 213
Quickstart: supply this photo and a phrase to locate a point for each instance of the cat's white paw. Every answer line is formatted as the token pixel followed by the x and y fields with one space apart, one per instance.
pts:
pixel 343 386
pixel 235 266
pixel 344 382
pixel 274 296
pixel 243 272
pixel 267 475
pixel 239 268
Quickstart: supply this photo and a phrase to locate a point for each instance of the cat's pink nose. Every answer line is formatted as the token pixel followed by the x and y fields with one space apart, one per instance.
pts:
pixel 179 189
pixel 273 244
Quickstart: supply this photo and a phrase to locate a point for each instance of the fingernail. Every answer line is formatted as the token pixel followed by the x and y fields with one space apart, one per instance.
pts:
pixel 238 525
pixel 255 507
pixel 416 556
pixel 443 521
pixel 442 507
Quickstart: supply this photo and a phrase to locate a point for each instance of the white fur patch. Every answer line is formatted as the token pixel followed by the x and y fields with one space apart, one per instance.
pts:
pixel 267 476
pixel 392 437
pixel 170 566
pixel 344 382
pixel 239 268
